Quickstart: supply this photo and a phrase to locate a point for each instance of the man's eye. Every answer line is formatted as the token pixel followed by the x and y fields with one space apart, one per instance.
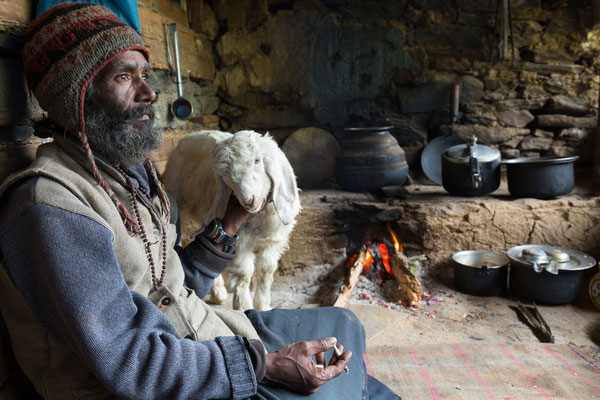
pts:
pixel 123 76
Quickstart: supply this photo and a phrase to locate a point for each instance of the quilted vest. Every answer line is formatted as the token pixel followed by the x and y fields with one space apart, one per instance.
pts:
pixel 55 371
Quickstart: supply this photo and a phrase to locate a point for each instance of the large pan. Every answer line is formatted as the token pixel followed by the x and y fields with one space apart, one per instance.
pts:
pixel 431 158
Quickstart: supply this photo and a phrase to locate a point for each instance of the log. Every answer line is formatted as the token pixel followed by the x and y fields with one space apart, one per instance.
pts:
pixel 343 297
pixel 411 290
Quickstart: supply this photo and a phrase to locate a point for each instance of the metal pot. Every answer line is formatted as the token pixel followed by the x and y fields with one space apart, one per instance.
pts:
pixel 540 177
pixel 480 272
pixel 552 280
pixel 471 169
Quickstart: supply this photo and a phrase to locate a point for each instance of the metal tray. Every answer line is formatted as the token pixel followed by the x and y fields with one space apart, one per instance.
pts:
pixel 578 261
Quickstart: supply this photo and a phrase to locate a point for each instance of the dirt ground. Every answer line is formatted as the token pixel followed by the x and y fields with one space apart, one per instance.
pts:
pixel 445 316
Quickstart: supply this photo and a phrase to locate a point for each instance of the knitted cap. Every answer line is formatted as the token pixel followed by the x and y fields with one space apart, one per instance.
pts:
pixel 65 48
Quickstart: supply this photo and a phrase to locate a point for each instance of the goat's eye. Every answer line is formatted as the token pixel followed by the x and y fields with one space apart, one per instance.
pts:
pixel 257 160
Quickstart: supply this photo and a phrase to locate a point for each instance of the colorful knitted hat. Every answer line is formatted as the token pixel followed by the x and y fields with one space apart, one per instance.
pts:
pixel 63 50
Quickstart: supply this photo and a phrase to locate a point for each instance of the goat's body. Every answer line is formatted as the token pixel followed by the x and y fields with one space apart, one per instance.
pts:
pixel 200 194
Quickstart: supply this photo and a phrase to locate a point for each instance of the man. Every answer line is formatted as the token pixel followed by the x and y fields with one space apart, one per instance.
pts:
pixel 98 303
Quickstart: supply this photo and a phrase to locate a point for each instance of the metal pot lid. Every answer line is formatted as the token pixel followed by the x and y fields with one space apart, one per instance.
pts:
pixel 542 160
pixel 480 259
pixel 461 153
pixel 576 259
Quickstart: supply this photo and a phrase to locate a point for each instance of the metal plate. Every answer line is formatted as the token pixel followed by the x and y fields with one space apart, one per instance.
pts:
pixel 577 262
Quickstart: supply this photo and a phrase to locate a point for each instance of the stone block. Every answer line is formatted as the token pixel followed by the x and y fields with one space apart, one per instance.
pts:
pixel 566 121
pixel 574 135
pixel 312 152
pixel 203 19
pixel 533 143
pixel 15 14
pixel 543 134
pixel 167 8
pixel 195 51
pixel 471 89
pixel 409 129
pixel 512 104
pixel 550 68
pixel 512 143
pixel 16 133
pixel 485 118
pixel 569 105
pixel 510 153
pixel 515 118
pixel 490 135
pixel 531 92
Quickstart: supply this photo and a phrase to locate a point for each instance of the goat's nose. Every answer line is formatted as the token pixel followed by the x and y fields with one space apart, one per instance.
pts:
pixel 250 202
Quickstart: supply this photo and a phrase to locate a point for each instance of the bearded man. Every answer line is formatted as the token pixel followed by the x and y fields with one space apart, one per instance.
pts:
pixel 99 302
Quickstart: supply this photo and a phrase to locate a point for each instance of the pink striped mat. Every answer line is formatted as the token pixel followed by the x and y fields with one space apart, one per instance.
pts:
pixel 487 371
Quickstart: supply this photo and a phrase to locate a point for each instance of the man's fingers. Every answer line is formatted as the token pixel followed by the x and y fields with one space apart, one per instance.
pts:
pixel 336 366
pixel 320 345
pixel 320 358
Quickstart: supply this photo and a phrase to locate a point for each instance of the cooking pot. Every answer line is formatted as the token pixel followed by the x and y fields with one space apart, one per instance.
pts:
pixel 480 272
pixel 471 169
pixel 555 279
pixel 540 177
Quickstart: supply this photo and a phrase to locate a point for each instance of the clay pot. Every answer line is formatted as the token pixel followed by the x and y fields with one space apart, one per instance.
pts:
pixel 369 159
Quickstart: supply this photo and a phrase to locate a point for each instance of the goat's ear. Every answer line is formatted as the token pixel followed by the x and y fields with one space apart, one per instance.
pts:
pixel 285 192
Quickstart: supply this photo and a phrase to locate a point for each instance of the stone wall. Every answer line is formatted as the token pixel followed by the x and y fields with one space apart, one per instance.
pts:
pixel 281 65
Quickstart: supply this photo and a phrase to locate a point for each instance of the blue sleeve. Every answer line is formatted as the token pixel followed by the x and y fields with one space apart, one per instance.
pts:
pixel 202 263
pixel 66 269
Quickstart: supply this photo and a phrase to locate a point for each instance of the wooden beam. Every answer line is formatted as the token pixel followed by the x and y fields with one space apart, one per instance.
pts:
pixel 411 289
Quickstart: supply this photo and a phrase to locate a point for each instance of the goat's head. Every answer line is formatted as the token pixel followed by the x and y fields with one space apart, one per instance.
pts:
pixel 254 167
pixel 240 163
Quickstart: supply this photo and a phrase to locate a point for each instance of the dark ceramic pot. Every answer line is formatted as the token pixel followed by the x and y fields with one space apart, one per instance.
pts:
pixel 369 159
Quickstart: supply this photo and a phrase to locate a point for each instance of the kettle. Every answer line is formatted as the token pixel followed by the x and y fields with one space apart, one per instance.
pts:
pixel 471 169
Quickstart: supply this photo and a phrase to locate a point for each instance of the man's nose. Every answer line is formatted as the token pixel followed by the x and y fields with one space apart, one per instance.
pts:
pixel 145 93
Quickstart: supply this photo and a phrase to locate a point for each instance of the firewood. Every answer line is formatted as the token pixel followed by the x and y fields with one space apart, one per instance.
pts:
pixel 411 290
pixel 343 297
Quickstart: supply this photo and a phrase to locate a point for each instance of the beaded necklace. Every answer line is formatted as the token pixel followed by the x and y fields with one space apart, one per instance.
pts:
pixel 157 283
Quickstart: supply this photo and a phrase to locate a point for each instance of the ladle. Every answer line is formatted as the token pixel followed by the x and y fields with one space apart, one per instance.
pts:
pixel 180 108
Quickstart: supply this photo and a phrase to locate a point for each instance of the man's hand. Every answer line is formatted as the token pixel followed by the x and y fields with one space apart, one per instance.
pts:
pixel 293 367
pixel 235 216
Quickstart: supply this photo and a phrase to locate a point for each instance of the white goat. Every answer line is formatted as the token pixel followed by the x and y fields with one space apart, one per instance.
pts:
pixel 202 172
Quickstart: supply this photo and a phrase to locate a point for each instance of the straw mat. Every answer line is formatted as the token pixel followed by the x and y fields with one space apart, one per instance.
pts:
pixel 487 371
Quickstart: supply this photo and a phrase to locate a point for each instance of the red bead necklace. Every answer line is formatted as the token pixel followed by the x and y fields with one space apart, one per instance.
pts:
pixel 157 283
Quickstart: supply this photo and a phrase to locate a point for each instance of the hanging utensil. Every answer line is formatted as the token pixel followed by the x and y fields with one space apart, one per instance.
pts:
pixel 180 108
pixel 431 158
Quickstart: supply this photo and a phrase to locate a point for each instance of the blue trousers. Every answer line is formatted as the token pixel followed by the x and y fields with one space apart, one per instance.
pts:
pixel 280 327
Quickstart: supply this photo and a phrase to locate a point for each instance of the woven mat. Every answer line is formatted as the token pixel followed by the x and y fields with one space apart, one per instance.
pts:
pixel 487 371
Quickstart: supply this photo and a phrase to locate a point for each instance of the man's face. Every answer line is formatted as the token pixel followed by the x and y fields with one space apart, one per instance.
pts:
pixel 118 113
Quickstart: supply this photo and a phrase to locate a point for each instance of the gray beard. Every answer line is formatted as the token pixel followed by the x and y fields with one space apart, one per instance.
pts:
pixel 116 136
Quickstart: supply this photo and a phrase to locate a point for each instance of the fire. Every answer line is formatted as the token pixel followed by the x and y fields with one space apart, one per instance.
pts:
pixel 397 244
pixel 368 261
pixel 385 257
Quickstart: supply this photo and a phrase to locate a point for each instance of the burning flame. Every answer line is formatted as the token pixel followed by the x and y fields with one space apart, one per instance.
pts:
pixel 369 260
pixel 397 244
pixel 385 257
